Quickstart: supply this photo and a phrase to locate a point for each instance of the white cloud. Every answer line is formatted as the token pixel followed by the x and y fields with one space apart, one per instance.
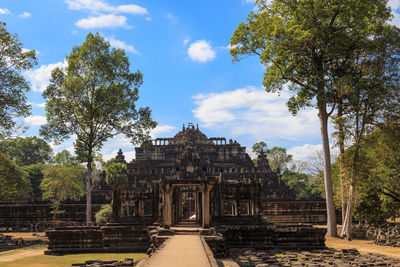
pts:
pixel 228 47
pixel 122 45
pixel 201 51
pixel 40 105
pixel 97 6
pixel 161 130
pixel 25 15
pixel 4 11
pixel 172 19
pixel 148 19
pixel 132 9
pixel 36 120
pixel 186 40
pixel 252 111
pixel 103 21
pixel 304 152
pixel 39 78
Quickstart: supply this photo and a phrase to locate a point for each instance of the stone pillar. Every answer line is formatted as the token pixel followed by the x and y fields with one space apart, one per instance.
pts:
pixel 205 190
pixel 168 206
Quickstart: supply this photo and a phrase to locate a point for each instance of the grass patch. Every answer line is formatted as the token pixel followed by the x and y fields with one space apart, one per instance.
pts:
pixel 67 260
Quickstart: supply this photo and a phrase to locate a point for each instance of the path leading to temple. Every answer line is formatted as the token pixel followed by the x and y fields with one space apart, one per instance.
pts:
pixel 179 251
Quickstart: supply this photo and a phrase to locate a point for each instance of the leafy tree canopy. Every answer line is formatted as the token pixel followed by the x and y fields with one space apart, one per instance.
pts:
pixel 64 157
pixel 27 150
pixel 117 175
pixel 61 183
pixel 278 158
pixel 259 148
pixel 305 185
pixel 34 174
pixel 13 59
pixel 14 184
pixel 94 98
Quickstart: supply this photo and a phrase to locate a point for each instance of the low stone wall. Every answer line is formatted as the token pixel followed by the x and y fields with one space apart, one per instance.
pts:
pixel 113 263
pixel 112 238
pixel 264 237
pixel 325 257
pixel 387 234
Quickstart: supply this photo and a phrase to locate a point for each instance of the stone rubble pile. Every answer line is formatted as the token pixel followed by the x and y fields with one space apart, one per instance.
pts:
pixel 326 257
pixel 387 234
pixel 128 262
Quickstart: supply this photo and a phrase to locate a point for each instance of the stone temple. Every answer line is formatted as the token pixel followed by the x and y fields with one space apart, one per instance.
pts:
pixel 191 180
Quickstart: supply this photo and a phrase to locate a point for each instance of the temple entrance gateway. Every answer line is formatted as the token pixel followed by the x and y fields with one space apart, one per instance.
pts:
pixel 187 205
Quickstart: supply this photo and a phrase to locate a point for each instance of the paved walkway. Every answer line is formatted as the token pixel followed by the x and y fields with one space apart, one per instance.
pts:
pixel 179 251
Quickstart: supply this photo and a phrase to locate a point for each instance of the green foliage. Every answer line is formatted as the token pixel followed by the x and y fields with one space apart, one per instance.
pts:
pixel 13 86
pixel 103 216
pixel 305 185
pixel 27 150
pixel 278 158
pixel 94 98
pixel 117 175
pixel 34 174
pixel 64 157
pixel 310 44
pixel 14 184
pixel 378 187
pixel 259 148
pixel 61 183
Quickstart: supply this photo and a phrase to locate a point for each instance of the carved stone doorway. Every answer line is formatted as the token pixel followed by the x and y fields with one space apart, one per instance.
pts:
pixel 187 205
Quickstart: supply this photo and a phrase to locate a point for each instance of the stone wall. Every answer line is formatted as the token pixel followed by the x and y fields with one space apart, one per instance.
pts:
pixel 295 211
pixel 112 238
pixel 264 237
pixel 387 234
pixel 37 216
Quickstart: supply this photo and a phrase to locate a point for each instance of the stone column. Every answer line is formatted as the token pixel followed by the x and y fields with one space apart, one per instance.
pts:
pixel 205 190
pixel 168 206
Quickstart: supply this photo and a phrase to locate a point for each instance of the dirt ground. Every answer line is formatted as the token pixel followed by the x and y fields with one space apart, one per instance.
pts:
pixel 22 253
pixel 363 246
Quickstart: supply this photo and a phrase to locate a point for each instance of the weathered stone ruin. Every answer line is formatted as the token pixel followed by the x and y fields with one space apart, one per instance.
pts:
pixel 383 233
pixel 325 257
pixel 209 183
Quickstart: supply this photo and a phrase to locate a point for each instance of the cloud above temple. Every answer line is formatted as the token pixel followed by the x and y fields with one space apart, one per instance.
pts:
pixel 252 111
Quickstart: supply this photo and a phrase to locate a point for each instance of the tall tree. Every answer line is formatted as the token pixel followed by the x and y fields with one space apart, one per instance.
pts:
pixel 376 74
pixel 94 98
pixel 13 59
pixel 61 183
pixel 308 44
pixel 27 150
pixel 117 176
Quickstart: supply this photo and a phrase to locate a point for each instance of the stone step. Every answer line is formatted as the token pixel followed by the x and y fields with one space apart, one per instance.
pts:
pixel 186 232
pixel 194 225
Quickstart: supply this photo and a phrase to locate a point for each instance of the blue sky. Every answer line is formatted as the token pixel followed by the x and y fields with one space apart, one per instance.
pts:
pixel 182 49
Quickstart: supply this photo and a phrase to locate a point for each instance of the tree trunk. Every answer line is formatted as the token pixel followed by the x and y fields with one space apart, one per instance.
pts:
pixel 341 137
pixel 348 222
pixel 89 194
pixel 330 205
